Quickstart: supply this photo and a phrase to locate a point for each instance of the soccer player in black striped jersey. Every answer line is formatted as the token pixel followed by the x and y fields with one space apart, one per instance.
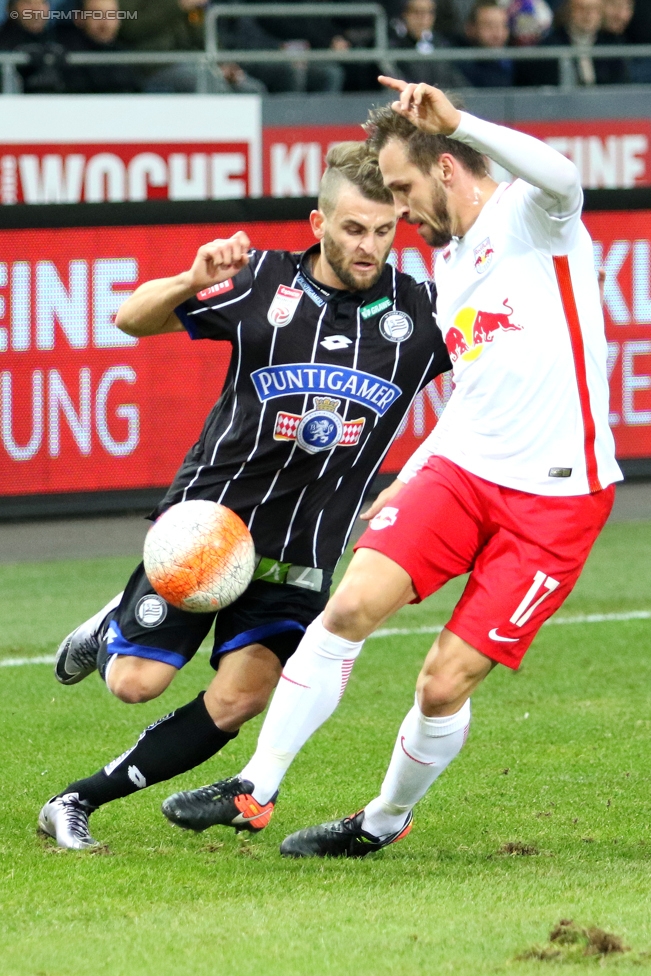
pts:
pixel 329 349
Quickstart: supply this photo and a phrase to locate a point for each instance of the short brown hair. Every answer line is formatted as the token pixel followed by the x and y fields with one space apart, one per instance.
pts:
pixel 423 149
pixel 482 5
pixel 352 162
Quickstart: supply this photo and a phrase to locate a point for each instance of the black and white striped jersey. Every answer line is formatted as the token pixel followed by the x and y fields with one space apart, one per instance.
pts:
pixel 318 384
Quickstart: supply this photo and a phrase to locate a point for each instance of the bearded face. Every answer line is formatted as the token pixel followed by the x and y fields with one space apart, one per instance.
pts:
pixel 356 269
pixel 435 222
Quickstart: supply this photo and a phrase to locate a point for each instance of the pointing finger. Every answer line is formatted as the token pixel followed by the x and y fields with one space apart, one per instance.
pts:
pixel 395 83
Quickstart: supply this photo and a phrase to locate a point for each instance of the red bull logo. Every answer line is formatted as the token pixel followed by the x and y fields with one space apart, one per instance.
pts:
pixel 483 253
pixel 472 329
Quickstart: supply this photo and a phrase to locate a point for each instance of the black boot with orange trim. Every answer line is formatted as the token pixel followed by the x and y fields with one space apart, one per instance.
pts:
pixel 229 802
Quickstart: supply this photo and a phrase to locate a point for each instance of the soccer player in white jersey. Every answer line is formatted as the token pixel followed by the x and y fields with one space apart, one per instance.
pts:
pixel 515 482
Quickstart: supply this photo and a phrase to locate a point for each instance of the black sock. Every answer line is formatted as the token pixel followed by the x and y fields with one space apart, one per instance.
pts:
pixel 170 746
pixel 103 658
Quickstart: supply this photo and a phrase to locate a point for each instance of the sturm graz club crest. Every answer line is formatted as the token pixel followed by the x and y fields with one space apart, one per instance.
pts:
pixel 319 429
pixel 396 326
pixel 151 611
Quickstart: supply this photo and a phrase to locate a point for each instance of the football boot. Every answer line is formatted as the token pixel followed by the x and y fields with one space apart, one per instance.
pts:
pixel 340 838
pixel 66 819
pixel 77 654
pixel 229 802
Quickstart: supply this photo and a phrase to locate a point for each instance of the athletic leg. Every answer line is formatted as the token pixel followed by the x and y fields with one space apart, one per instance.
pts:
pixel 432 733
pixel 143 643
pixel 315 677
pixel 523 568
pixel 242 686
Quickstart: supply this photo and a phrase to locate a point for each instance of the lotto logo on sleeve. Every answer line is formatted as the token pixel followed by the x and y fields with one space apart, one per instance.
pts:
pixel 282 309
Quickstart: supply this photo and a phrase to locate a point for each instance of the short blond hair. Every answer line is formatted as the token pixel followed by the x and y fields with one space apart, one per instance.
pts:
pixel 351 163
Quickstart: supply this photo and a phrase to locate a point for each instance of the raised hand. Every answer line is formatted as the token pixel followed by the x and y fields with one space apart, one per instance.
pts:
pixel 218 261
pixel 426 107
pixel 382 499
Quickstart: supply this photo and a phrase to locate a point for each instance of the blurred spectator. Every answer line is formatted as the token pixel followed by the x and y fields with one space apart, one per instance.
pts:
pixel 178 25
pixel 451 18
pixel 414 30
pixel 577 23
pixel 294 34
pixel 529 21
pixel 639 29
pixel 631 23
pixel 97 34
pixel 27 31
pixel 488 26
pixel 617 16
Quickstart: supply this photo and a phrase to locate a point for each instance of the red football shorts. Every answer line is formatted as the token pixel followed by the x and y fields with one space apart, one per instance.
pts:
pixel 524 552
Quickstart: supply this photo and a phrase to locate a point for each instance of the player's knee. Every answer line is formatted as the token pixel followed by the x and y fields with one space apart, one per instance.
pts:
pixel 134 685
pixel 231 709
pixel 435 692
pixel 346 612
pixel 133 690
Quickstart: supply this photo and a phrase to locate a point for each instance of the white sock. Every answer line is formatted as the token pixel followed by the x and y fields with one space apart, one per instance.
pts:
pixel 310 688
pixel 423 749
pixel 107 671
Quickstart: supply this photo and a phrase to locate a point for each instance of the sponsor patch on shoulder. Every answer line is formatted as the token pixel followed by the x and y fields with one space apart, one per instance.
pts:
pixel 219 289
pixel 282 309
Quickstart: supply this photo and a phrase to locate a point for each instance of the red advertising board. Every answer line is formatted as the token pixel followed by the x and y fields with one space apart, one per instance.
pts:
pixel 608 152
pixel 86 173
pixel 84 407
pixel 88 149
pixel 115 148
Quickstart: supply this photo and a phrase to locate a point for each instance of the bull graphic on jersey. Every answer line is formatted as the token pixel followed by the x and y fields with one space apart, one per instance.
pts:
pixel 473 329
pixel 483 255
pixel 319 429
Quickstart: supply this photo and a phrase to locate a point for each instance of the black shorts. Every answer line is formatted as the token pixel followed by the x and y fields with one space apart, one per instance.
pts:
pixel 145 625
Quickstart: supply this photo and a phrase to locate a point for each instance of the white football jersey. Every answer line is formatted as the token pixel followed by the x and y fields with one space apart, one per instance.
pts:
pixel 519 308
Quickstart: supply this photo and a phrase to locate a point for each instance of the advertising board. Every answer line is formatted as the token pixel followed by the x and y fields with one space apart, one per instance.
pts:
pixel 97 148
pixel 83 407
pixel 112 148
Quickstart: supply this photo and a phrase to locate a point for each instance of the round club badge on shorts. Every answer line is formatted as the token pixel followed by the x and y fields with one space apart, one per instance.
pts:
pixel 396 326
pixel 151 610
pixel 320 430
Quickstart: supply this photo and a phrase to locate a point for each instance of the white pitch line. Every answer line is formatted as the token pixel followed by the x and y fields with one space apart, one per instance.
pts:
pixel 588 618
pixel 18 662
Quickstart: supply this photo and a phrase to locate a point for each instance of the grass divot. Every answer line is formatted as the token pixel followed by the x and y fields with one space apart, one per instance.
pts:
pixel 517 848
pixel 569 942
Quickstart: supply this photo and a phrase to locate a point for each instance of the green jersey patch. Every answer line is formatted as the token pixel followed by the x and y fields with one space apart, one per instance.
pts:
pixel 367 311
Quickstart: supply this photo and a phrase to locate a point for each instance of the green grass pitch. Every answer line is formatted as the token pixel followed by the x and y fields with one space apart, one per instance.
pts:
pixel 557 762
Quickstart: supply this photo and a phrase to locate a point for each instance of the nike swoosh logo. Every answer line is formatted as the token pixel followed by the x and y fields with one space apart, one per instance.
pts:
pixel 496 637
pixel 242 819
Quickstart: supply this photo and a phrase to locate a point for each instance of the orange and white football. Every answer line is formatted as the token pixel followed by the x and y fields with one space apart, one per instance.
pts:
pixel 199 556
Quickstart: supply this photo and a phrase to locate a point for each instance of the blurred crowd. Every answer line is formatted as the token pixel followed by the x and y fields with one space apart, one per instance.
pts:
pixel 47 29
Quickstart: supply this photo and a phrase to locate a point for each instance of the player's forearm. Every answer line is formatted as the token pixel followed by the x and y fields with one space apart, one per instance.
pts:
pixel 150 309
pixel 528 158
